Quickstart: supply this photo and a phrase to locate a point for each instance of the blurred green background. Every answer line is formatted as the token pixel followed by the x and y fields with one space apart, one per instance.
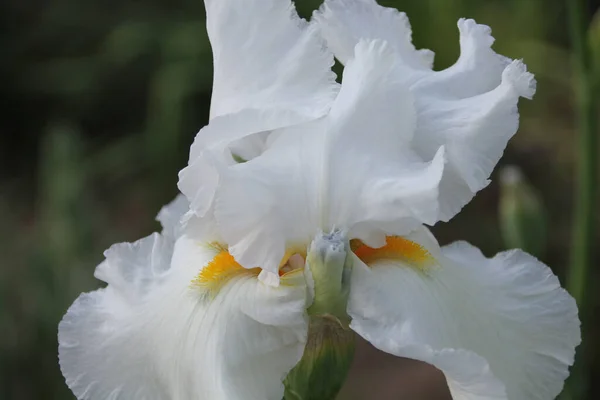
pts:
pixel 100 101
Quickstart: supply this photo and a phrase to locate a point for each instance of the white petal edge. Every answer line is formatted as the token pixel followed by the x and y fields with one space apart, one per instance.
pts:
pixel 343 23
pixel 170 343
pixel 486 323
pixel 171 216
pixel 475 131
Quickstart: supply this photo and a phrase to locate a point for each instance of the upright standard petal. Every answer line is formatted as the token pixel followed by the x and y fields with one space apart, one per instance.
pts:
pixel 192 326
pixel 475 131
pixel 266 56
pixel 499 328
pixel 271 71
pixel 470 107
pixel 350 170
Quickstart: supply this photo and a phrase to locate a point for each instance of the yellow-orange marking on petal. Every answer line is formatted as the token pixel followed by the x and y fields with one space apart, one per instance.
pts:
pixel 396 248
pixel 224 267
pixel 219 271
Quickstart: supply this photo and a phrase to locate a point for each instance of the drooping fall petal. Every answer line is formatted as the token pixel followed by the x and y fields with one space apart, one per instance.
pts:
pixel 499 328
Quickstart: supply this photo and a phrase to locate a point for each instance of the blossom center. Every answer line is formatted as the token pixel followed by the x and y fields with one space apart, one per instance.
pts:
pixel 223 267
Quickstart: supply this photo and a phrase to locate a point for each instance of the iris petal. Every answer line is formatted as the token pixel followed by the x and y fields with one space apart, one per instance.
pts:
pixel 271 71
pixel 499 328
pixel 152 334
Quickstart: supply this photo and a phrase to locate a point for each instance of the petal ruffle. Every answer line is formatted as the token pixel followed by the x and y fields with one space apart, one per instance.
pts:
pixel 499 328
pixel 271 71
pixel 171 216
pixel 151 335
pixel 475 131
pixel 350 170
pixel 343 23
pixel 200 179
pixel 470 107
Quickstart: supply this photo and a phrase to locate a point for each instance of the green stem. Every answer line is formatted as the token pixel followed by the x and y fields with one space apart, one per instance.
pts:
pixel 583 234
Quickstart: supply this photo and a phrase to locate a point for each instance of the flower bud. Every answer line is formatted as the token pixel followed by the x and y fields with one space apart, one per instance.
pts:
pixel 522 214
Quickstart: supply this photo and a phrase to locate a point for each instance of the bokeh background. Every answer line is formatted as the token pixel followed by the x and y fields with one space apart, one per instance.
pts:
pixel 100 100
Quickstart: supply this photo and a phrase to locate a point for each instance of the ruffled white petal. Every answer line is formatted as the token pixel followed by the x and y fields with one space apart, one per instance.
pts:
pixel 265 56
pixel 350 170
pixel 271 71
pixel 343 23
pixel 371 176
pixel 135 269
pixel 210 151
pixel 477 70
pixel 151 335
pixel 470 107
pixel 499 328
pixel 271 202
pixel 475 131
pixel 171 216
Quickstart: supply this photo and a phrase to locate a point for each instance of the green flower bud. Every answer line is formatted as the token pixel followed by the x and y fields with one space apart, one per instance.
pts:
pixel 522 214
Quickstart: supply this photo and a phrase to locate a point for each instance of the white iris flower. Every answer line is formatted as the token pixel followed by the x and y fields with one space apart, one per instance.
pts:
pixel 330 205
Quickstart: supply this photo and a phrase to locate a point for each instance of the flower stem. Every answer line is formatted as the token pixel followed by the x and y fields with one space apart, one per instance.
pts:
pixel 584 224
